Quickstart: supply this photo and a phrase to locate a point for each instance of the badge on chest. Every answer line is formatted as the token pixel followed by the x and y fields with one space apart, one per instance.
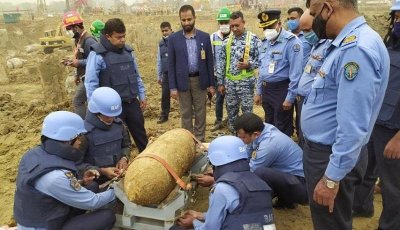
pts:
pixel 271 67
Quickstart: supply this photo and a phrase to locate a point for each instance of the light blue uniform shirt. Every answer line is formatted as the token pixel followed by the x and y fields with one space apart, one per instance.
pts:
pixel 275 150
pixel 313 64
pixel 217 36
pixel 96 63
pixel 281 60
pixel 223 200
pixel 342 112
pixel 191 45
pixel 57 185
pixel 306 47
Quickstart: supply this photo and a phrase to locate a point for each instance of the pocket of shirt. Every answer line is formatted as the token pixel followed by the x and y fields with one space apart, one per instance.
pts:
pixel 317 92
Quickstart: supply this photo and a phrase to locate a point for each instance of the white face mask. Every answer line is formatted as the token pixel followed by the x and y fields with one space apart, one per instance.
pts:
pixel 225 29
pixel 270 34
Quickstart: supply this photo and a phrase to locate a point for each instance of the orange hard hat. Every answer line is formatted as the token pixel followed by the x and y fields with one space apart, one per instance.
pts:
pixel 72 18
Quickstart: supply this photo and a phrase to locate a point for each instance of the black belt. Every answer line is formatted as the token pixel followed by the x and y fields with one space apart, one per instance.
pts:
pixel 194 74
pixel 275 84
pixel 129 101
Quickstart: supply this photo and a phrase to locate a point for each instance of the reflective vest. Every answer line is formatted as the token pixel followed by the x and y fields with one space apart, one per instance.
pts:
pixel 245 73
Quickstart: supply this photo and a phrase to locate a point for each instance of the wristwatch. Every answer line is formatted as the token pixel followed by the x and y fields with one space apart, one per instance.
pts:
pixel 330 183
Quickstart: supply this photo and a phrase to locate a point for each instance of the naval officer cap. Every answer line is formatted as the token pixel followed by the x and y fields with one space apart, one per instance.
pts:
pixel 268 17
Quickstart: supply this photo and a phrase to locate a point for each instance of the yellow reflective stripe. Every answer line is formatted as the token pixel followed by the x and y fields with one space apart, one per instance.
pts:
pixel 217 43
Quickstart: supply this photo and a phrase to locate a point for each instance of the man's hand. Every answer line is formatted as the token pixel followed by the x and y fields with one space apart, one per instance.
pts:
pixel 122 164
pixel 324 195
pixel 392 148
pixel 159 82
pixel 211 89
pixel 143 104
pixel 287 105
pixel 89 176
pixel 205 180
pixel 74 63
pixel 174 94
pixel 221 89
pixel 257 99
pixel 186 221
pixel 110 172
pixel 243 65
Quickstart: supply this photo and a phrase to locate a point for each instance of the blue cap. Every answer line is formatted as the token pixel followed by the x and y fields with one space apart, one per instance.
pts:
pixel 226 149
pixel 106 101
pixel 62 126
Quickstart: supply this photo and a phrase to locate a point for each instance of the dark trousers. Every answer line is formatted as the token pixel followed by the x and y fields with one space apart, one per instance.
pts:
pixel 273 96
pixel 165 97
pixel 132 115
pixel 389 173
pixel 103 219
pixel 364 193
pixel 288 188
pixel 315 161
pixel 298 105
pixel 219 106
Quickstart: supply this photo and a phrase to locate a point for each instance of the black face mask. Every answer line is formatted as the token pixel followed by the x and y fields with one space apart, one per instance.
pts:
pixel 319 26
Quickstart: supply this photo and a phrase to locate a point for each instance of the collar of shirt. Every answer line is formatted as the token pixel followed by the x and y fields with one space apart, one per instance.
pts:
pixel 281 37
pixel 360 20
pixel 189 37
pixel 219 34
pixel 266 133
pixel 242 37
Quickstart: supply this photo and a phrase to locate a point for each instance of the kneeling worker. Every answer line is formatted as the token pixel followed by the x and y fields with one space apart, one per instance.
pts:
pixel 109 145
pixel 48 192
pixel 239 199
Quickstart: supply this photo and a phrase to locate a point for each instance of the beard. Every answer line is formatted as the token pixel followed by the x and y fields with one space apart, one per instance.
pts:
pixel 188 28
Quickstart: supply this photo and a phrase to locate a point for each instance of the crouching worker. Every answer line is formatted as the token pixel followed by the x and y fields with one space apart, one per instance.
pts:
pixel 108 142
pixel 48 192
pixel 239 199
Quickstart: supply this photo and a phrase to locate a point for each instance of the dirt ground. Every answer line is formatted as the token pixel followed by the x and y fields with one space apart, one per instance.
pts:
pixel 27 95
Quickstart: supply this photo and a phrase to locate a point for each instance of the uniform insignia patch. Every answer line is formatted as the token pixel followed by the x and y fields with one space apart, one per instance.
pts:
pixel 264 17
pixel 254 155
pixel 349 39
pixel 351 70
pixel 74 183
pixel 296 48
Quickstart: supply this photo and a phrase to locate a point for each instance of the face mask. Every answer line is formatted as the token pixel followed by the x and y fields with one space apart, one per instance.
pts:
pixel 165 37
pixel 311 37
pixel 270 34
pixel 225 29
pixel 396 29
pixel 292 24
pixel 319 26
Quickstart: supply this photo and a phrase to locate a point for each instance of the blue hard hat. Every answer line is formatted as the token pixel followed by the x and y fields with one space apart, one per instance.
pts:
pixel 395 5
pixel 106 101
pixel 62 126
pixel 226 149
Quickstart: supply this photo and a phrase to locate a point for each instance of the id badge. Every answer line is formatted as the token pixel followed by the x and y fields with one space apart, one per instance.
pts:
pixel 203 54
pixel 271 68
pixel 307 69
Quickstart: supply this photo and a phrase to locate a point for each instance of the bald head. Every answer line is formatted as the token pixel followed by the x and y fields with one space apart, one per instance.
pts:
pixel 306 21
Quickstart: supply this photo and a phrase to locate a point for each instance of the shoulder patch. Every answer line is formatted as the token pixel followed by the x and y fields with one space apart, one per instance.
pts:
pixel 351 70
pixel 74 183
pixel 296 48
pixel 349 39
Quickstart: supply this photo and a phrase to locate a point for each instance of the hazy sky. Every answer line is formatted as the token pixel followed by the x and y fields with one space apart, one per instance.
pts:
pixel 47 1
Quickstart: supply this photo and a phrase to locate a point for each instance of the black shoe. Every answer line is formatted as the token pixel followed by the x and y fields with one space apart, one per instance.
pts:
pixel 217 125
pixel 363 213
pixel 277 204
pixel 162 120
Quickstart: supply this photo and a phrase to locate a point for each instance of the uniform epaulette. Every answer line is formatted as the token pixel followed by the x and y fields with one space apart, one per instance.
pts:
pixel 350 40
pixel 291 36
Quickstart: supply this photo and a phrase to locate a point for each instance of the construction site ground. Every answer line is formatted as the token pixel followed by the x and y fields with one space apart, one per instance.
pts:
pixel 42 85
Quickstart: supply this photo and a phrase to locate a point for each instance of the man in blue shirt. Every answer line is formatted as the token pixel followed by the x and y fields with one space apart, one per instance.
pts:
pixel 191 71
pixel 280 67
pixel 48 192
pixel 162 72
pixel 275 158
pixel 384 145
pixel 339 113
pixel 112 63
pixel 239 198
pixel 311 69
